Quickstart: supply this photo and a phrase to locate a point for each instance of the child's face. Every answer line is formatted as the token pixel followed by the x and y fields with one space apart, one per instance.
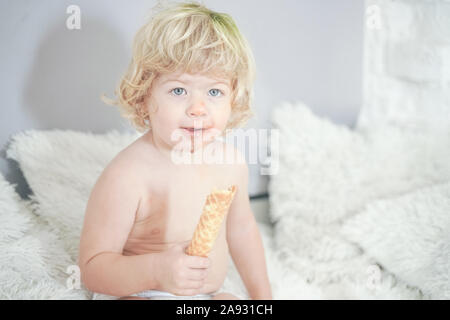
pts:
pixel 186 100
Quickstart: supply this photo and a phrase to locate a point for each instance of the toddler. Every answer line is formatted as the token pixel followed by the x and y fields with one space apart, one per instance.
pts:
pixel 190 80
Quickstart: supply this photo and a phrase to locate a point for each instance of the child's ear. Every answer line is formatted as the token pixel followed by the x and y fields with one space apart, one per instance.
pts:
pixel 148 105
pixel 142 111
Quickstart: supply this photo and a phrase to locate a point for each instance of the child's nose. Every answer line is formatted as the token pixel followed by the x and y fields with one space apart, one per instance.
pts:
pixel 197 109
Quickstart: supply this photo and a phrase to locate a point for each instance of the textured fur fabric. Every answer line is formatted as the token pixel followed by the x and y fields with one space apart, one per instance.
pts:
pixel 32 263
pixel 61 168
pixel 409 235
pixel 327 174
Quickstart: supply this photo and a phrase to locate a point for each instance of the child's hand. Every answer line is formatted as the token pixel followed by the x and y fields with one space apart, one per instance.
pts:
pixel 180 273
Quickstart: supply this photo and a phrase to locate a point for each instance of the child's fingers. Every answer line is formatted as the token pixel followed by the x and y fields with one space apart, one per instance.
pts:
pixel 197 274
pixel 197 262
pixel 182 246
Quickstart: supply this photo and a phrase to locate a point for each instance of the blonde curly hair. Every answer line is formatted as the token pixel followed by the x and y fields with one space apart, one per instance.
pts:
pixel 186 37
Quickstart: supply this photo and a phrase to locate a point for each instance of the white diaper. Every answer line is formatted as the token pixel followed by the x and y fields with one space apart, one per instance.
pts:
pixel 162 295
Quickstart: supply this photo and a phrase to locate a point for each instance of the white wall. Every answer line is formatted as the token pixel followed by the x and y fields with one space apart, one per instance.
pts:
pixel 51 77
pixel 407 65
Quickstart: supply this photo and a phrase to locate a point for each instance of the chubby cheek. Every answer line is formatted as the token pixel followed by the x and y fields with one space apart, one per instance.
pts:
pixel 171 133
pixel 165 124
pixel 166 133
pixel 221 118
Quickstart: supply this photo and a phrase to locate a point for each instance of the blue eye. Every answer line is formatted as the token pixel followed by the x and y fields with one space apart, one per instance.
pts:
pixel 215 92
pixel 178 91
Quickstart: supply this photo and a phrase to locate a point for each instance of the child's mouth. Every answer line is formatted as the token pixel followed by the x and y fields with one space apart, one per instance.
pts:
pixel 195 130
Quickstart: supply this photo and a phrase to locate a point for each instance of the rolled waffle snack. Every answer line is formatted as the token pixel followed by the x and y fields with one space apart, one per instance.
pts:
pixel 216 207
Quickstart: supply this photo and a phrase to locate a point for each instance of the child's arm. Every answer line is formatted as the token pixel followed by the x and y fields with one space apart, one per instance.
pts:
pixel 109 217
pixel 117 275
pixel 244 242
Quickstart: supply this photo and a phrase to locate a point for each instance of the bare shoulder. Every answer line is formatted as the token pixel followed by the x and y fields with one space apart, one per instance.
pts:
pixel 129 164
pixel 135 155
pixel 124 163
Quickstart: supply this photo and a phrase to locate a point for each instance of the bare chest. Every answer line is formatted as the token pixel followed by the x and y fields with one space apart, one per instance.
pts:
pixel 170 208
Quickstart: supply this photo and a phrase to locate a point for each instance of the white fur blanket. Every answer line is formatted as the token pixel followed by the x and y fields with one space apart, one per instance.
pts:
pixel 326 241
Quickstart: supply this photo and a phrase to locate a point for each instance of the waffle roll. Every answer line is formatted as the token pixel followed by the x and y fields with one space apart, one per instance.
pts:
pixel 215 209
